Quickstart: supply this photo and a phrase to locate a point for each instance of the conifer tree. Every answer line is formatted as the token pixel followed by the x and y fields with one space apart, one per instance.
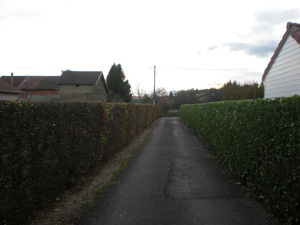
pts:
pixel 116 83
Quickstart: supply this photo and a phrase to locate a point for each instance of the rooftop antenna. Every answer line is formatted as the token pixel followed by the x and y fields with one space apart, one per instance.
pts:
pixel 12 79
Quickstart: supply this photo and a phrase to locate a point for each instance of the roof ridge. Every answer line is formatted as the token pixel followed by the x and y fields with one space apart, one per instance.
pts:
pixel 292 29
pixel 32 76
pixel 69 77
pixel 81 71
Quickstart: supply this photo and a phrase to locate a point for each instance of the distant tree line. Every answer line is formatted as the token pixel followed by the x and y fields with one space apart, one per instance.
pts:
pixel 120 91
pixel 231 90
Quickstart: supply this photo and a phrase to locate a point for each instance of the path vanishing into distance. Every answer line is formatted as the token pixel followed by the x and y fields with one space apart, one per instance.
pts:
pixel 174 180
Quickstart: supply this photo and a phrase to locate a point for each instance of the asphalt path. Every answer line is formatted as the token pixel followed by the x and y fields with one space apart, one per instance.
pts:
pixel 174 180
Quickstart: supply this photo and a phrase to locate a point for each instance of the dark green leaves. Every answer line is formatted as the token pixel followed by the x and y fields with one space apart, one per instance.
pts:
pixel 259 141
pixel 116 83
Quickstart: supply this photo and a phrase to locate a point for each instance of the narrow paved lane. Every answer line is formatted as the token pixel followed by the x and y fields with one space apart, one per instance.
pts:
pixel 172 180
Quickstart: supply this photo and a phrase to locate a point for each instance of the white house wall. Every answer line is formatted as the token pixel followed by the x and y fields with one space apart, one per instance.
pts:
pixel 283 78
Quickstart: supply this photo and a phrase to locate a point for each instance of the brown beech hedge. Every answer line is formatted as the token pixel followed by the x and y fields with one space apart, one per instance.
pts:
pixel 47 147
pixel 259 142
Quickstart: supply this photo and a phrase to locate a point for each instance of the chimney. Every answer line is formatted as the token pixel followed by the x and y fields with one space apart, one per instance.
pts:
pixel 12 79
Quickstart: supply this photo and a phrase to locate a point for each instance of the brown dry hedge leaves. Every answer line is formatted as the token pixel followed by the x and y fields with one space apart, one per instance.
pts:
pixel 47 147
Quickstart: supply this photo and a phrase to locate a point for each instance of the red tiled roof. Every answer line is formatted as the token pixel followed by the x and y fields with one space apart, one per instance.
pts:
pixel 292 29
pixel 8 88
pixel 16 79
pixel 33 82
pixel 40 83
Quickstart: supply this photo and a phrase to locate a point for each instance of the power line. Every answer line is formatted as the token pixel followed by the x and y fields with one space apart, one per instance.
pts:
pixel 208 69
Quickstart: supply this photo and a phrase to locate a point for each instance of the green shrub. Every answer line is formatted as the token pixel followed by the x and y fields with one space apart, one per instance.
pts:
pixel 259 142
pixel 47 147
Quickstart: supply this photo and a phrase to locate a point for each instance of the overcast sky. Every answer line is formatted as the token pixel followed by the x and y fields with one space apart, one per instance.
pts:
pixel 194 44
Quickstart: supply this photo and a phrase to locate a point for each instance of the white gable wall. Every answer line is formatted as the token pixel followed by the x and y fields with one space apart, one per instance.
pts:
pixel 283 78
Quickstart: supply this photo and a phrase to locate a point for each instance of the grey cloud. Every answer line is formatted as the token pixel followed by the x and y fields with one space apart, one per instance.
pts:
pixel 277 16
pixel 262 28
pixel 261 50
pixel 267 20
pixel 213 47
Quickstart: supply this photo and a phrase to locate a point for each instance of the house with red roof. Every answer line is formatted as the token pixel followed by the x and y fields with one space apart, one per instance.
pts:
pixel 282 76
pixel 8 91
pixel 36 88
pixel 70 86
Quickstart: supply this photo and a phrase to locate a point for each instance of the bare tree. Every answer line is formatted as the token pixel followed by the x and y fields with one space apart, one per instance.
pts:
pixel 139 91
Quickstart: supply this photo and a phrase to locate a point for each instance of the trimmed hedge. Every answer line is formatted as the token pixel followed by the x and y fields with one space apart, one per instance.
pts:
pixel 259 142
pixel 47 147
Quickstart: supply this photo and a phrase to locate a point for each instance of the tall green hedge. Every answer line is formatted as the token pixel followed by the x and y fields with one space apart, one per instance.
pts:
pixel 259 142
pixel 46 148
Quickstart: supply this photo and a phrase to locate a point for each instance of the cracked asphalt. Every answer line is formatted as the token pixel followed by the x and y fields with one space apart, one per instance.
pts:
pixel 174 180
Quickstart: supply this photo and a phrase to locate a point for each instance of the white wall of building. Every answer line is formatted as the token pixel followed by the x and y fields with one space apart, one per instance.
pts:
pixel 283 78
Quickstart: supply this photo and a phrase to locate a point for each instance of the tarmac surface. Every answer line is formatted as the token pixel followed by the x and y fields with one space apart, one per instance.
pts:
pixel 174 180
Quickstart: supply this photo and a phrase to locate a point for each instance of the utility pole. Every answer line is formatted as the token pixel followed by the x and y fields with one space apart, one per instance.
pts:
pixel 154 86
pixel 254 92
